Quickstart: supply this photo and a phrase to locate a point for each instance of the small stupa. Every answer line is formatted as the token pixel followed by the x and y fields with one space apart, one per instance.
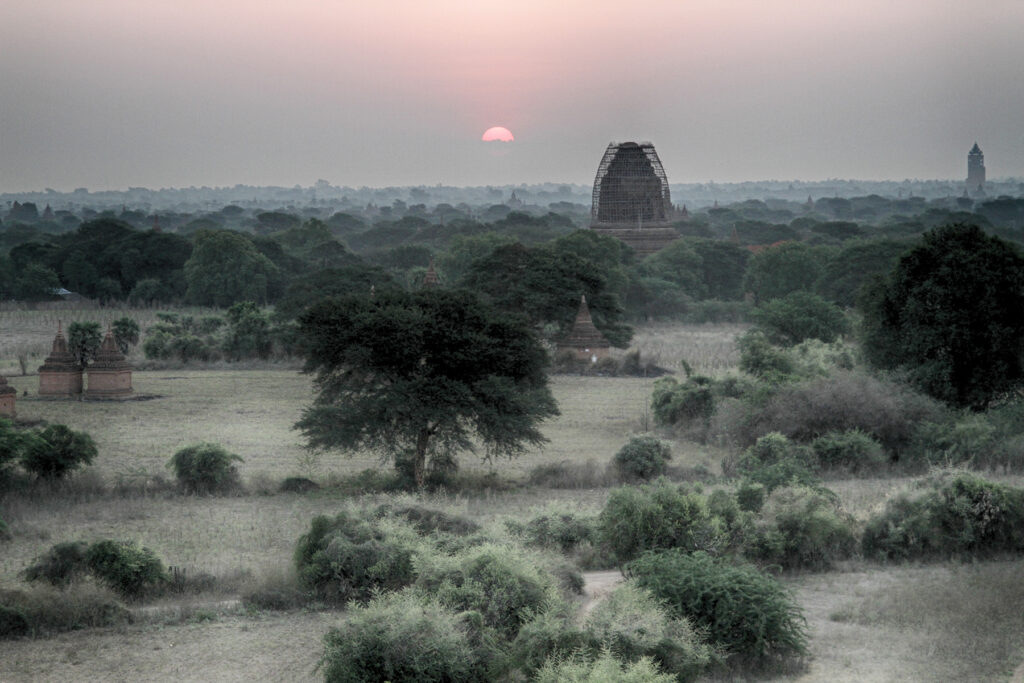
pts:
pixel 60 374
pixel 7 396
pixel 430 278
pixel 110 375
pixel 585 340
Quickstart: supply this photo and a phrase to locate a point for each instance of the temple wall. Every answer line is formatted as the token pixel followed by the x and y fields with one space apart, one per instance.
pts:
pixel 109 383
pixel 60 383
pixel 7 405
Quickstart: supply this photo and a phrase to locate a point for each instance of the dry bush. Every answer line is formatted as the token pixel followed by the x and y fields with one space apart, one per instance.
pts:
pixel 888 411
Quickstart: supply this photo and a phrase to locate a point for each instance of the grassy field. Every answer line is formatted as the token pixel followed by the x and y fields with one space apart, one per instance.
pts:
pixel 868 622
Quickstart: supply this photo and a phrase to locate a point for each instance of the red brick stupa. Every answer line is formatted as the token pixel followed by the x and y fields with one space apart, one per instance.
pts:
pixel 430 278
pixel 585 340
pixel 110 375
pixel 60 374
pixel 7 396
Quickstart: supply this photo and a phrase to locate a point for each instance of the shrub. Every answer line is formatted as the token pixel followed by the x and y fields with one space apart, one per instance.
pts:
pixel 57 450
pixel 758 357
pixel 550 634
pixel 887 411
pixel 13 623
pixel 957 514
pixel 803 528
pixel 561 531
pixel 604 669
pixel 799 316
pixel 503 585
pixel 775 461
pixel 426 521
pixel 298 485
pixel 401 637
pixel 5 531
pixel 51 610
pixel 205 468
pixel 658 515
pixel 125 566
pixel 126 333
pixel 674 403
pixel 750 496
pixel 59 565
pixel 644 457
pixel 346 558
pixel 746 612
pixel 971 440
pixel 632 624
pixel 851 451
pixel 570 475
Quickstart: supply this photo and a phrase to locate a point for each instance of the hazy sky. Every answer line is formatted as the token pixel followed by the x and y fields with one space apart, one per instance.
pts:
pixel 109 94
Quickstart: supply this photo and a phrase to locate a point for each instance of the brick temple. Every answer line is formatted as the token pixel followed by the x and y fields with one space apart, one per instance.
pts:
pixel 585 341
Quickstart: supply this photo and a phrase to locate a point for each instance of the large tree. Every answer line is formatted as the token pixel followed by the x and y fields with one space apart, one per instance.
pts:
pixel 951 314
pixel 226 268
pixel 417 376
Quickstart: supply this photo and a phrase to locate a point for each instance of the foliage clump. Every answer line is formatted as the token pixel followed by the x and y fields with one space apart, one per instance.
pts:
pixel 125 566
pixel 952 515
pixel 643 457
pixel 401 638
pixel 205 468
pixel 347 558
pixel 800 316
pixel 57 450
pixel 556 530
pixel 775 461
pixel 675 403
pixel 503 585
pixel 605 669
pixel 658 515
pixel 802 528
pixel 744 611
pixel 851 451
pixel 59 565
pixel 633 624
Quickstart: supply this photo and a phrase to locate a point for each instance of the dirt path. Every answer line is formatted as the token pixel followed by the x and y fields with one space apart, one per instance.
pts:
pixel 597 585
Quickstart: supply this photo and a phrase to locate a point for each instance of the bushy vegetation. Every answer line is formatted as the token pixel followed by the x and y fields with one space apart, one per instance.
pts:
pixel 504 586
pixel 59 565
pixel 802 528
pixel 403 637
pixel 45 610
pixel 605 669
pixel 675 403
pixel 56 450
pixel 205 468
pixel 849 451
pixel 744 611
pixel 658 515
pixel 643 457
pixel 125 566
pixel 957 514
pixel 556 530
pixel 799 316
pixel 632 625
pixel 348 558
pixel 775 461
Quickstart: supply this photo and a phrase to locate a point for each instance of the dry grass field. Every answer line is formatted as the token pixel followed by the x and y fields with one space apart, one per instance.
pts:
pixel 868 622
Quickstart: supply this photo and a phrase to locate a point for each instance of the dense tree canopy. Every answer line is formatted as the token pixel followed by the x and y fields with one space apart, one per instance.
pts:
pixel 951 315
pixel 225 268
pixel 416 376
pixel 778 270
pixel 545 286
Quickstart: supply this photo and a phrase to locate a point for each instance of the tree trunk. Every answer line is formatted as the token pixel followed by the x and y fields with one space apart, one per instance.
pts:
pixel 419 462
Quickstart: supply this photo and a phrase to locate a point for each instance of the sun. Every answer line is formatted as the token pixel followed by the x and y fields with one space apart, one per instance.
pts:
pixel 497 134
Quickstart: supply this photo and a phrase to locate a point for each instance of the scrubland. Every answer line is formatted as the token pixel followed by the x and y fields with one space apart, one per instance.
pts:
pixel 943 620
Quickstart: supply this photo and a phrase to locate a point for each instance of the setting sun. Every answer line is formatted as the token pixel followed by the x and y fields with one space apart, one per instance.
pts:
pixel 497 134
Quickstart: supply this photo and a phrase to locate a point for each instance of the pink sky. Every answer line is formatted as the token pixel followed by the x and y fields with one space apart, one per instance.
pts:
pixel 118 93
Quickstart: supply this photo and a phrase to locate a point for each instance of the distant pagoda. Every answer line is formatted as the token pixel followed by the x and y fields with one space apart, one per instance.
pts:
pixel 976 170
pixel 585 341
pixel 631 198
pixel 110 374
pixel 430 278
pixel 60 374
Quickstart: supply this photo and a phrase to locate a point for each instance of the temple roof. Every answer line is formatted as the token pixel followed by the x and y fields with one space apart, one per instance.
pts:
pixel 109 357
pixel 430 278
pixel 975 149
pixel 583 333
pixel 60 358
